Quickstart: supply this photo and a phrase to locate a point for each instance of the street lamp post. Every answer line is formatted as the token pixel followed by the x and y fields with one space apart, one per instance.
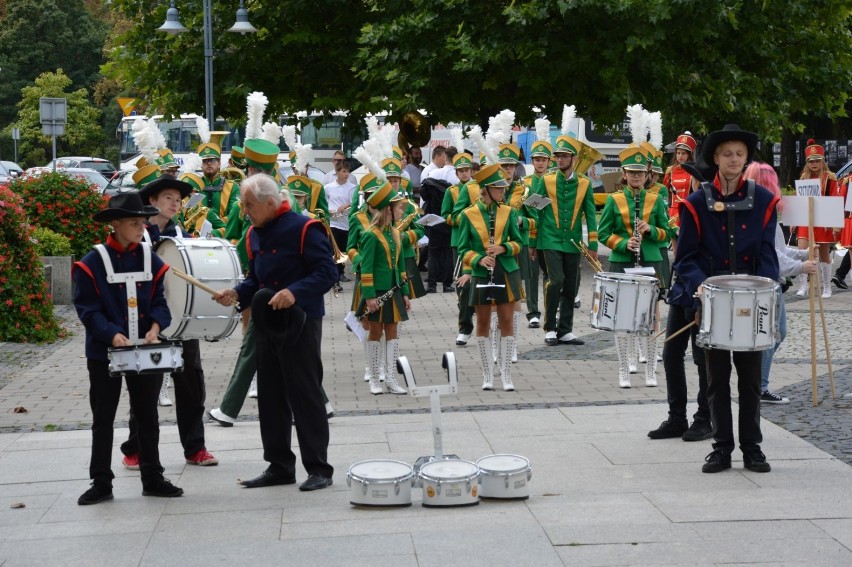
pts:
pixel 173 26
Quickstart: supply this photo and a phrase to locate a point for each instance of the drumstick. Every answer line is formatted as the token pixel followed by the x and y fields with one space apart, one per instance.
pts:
pixel 196 283
pixel 676 333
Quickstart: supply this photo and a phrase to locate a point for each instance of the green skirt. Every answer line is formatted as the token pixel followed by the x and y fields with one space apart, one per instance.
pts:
pixel 513 291
pixel 415 284
pixel 391 311
pixel 356 293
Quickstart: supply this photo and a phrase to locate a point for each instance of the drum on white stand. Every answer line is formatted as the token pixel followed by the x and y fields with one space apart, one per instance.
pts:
pixel 156 358
pixel 449 483
pixel 195 315
pixel 504 476
pixel 738 313
pixel 624 303
pixel 380 482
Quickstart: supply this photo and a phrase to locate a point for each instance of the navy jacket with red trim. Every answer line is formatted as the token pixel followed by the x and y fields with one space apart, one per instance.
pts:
pixel 102 307
pixel 290 251
pixel 702 244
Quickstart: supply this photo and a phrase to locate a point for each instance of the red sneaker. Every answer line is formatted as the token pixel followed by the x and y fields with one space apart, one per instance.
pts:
pixel 131 462
pixel 203 459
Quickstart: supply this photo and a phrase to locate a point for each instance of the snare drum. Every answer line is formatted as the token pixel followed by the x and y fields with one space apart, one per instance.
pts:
pixel 449 483
pixel 195 315
pixel 504 476
pixel 738 313
pixel 624 303
pixel 380 483
pixel 156 358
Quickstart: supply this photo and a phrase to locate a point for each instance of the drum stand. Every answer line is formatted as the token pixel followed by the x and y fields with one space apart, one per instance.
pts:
pixel 434 392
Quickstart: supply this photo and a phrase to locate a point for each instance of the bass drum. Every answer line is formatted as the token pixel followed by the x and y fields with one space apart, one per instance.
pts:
pixel 195 315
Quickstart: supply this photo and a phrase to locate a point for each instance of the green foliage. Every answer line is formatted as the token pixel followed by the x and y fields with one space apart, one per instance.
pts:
pixel 64 204
pixel 83 134
pixel 50 243
pixel 26 310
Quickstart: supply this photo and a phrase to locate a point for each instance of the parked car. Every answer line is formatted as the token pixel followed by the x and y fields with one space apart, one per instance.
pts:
pixel 98 181
pixel 121 182
pixel 13 168
pixel 5 175
pixel 98 164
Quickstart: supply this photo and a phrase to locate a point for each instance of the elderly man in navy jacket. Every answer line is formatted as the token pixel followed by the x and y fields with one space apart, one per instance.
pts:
pixel 290 255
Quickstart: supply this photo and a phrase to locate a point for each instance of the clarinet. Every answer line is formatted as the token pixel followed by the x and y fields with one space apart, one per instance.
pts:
pixel 380 300
pixel 492 225
pixel 636 233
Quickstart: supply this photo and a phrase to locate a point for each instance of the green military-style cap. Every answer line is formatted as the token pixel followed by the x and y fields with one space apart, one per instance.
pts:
pixel 566 145
pixel 482 159
pixel 193 179
pixel 383 196
pixel 462 160
pixel 392 167
pixel 209 150
pixel 166 160
pixel 509 154
pixel 145 175
pixel 541 148
pixel 298 184
pixel 491 175
pixel 370 183
pixel 634 158
pixel 396 153
pixel 261 154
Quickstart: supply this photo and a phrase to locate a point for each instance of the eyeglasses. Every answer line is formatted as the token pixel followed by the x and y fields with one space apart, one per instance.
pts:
pixel 209 160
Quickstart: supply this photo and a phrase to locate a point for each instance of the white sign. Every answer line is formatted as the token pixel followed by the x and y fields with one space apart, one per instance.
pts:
pixel 828 211
pixel 808 187
pixel 354 325
pixel 537 201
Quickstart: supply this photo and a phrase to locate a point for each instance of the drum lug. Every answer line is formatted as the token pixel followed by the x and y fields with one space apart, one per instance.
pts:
pixel 505 480
pixel 396 488
pixel 529 473
pixel 366 485
pixel 349 481
pixel 438 490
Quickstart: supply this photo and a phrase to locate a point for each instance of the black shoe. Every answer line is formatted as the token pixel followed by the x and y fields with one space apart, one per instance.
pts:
pixel 717 461
pixel 449 289
pixel 755 460
pixel 839 282
pixel 668 430
pixel 570 339
pixel 577 304
pixel 345 279
pixel 432 290
pixel 268 478
pixel 315 482
pixel 95 495
pixel 700 430
pixel 162 488
pixel 770 397
pixel 551 342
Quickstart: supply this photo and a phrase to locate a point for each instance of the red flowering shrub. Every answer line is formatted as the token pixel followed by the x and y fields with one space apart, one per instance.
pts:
pixel 64 204
pixel 26 309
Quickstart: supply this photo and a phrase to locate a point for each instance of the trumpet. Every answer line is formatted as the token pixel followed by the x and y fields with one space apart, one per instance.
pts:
pixel 584 250
pixel 338 256
pixel 194 218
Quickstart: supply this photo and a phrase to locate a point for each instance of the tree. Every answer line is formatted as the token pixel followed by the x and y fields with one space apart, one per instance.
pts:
pixel 43 35
pixel 83 133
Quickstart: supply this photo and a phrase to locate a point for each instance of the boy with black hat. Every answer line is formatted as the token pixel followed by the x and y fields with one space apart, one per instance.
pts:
pixel 119 315
pixel 166 195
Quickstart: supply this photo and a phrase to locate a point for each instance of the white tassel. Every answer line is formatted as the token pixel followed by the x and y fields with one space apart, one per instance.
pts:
pixel 203 129
pixel 156 134
pixel 387 136
pixel 655 127
pixel 457 138
pixel 256 104
pixel 271 132
pixel 568 115
pixel 144 139
pixel 500 128
pixel 542 129
pixel 373 128
pixel 475 136
pixel 289 134
pixel 374 148
pixel 303 158
pixel 362 155
pixel 636 114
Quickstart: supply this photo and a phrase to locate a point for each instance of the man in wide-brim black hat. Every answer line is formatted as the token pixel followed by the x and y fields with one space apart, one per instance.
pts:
pixel 728 227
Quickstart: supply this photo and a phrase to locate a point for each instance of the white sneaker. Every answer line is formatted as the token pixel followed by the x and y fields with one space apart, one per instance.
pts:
pixel 220 418
pixel 163 398
pixel 534 323
pixel 252 393
pixel 462 339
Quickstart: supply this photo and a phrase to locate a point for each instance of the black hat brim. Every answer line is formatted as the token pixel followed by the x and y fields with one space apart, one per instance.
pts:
pixel 108 215
pixel 162 183
pixel 729 133
pixel 283 325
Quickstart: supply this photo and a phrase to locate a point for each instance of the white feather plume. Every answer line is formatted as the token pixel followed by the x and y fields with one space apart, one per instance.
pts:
pixel 655 127
pixel 362 155
pixel 303 158
pixel 156 134
pixel 475 136
pixel 568 115
pixel 289 134
pixel 203 129
pixel 457 138
pixel 500 128
pixel 374 148
pixel 636 115
pixel 271 132
pixel 387 137
pixel 373 127
pixel 256 104
pixel 145 140
pixel 542 129
pixel 191 163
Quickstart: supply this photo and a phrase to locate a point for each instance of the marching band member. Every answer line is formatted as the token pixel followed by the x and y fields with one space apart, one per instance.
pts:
pixel 193 220
pixel 489 241
pixel 571 202
pixel 220 194
pixel 633 224
pixel 410 231
pixel 383 271
pixel 166 195
pixel 540 153
pixel 109 316
pixel 457 198
pixel 676 178
pixel 167 163
pixel 816 168
pixel 706 249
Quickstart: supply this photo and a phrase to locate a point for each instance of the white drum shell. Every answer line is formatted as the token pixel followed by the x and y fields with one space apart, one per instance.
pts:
pixel 156 358
pixel 195 315
pixel 738 313
pixel 504 476
pixel 624 303
pixel 449 483
pixel 380 482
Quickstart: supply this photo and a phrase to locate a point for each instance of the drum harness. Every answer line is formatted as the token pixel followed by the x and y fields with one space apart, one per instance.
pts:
pixel 716 206
pixel 129 279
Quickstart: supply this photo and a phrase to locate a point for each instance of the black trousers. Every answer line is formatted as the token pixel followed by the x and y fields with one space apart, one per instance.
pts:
pixel 190 395
pixel 843 268
pixel 674 351
pixel 748 366
pixel 466 310
pixel 104 393
pixel 341 238
pixel 289 379
pixel 441 264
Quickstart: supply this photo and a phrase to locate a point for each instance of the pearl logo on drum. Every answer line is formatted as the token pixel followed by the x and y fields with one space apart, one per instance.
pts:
pixel 762 315
pixel 608 299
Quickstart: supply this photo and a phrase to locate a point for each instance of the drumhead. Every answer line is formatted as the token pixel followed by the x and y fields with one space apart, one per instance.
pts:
pixel 449 469
pixel 619 277
pixel 740 283
pixel 503 463
pixel 176 289
pixel 380 470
